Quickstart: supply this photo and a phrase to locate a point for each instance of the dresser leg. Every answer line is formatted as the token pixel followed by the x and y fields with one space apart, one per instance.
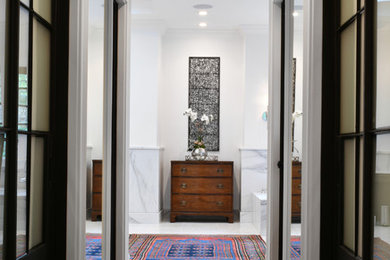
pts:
pixel 230 219
pixel 173 218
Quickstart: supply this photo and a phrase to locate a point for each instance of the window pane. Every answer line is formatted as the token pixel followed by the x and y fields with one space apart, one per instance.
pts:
pixel 41 78
pixel 26 2
pixel 348 9
pixel 362 64
pixel 2 173
pixel 23 68
pixel 21 213
pixel 381 191
pixel 382 67
pixel 348 80
pixel 349 194
pixel 43 8
pixel 36 191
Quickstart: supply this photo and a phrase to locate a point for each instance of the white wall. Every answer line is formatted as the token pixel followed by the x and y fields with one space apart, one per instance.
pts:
pixel 298 54
pixel 95 91
pixel 177 47
pixel 144 82
pixel 256 89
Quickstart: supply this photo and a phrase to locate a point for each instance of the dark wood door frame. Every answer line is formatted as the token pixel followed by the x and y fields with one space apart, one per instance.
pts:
pixel 331 146
pixel 54 210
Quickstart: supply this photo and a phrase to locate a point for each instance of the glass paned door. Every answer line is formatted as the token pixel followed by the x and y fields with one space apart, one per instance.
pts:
pixel 381 132
pixel 26 137
pixel 350 128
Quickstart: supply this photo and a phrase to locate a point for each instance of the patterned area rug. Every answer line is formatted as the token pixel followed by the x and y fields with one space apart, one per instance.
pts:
pixel 20 246
pixel 295 248
pixel 381 249
pixel 164 247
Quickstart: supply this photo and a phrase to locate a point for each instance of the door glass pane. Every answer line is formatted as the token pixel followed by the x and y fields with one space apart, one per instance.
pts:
pixel 23 70
pixel 381 191
pixel 21 225
pixel 382 67
pixel 40 78
pixel 362 51
pixel 348 80
pixel 348 9
pixel 36 191
pixel 349 194
pixel 26 2
pixel 2 173
pixel 43 8
pixel 361 175
pixel 2 59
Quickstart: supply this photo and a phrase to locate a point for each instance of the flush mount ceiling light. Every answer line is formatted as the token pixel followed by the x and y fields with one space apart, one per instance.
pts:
pixel 203 6
pixel 202 13
pixel 202 24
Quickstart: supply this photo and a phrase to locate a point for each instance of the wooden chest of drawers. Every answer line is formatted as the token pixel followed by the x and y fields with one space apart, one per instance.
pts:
pixel 296 192
pixel 202 188
pixel 97 180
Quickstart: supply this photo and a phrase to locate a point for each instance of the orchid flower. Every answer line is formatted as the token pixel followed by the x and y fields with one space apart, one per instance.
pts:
pixel 193 116
pixel 296 114
pixel 205 119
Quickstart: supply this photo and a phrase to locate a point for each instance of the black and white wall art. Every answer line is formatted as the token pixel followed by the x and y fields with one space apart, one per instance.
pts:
pixel 204 94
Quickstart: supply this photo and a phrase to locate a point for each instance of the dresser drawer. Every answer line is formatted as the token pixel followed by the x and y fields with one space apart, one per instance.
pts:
pixel 97 201
pixel 97 184
pixel 202 203
pixel 198 170
pixel 296 186
pixel 296 204
pixel 202 185
pixel 296 170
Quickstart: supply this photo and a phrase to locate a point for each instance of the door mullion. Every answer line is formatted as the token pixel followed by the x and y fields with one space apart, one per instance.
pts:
pixel 11 81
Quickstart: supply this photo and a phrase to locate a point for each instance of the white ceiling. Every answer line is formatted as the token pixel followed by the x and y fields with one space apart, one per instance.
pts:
pixel 180 14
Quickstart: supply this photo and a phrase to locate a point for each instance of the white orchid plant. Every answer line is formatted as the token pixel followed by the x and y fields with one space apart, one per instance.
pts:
pixel 200 125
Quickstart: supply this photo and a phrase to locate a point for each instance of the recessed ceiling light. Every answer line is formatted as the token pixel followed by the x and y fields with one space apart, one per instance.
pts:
pixel 202 24
pixel 203 6
pixel 295 14
pixel 202 13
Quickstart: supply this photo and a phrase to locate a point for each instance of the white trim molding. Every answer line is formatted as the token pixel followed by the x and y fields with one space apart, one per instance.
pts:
pixel 274 88
pixel 107 126
pixel 312 109
pixel 77 130
pixel 123 133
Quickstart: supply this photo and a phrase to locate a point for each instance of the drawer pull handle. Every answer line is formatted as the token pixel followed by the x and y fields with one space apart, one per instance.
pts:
pixel 219 203
pixel 220 186
pixel 219 170
pixel 300 186
pixel 183 170
pixel 299 171
pixel 184 185
pixel 183 203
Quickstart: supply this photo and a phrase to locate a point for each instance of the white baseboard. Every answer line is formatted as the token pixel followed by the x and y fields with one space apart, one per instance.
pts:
pixel 145 218
pixel 246 216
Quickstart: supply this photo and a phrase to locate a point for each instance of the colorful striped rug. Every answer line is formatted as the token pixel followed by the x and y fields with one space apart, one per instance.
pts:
pixel 151 247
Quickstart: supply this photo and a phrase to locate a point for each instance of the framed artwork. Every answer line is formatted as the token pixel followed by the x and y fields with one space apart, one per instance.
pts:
pixel 204 98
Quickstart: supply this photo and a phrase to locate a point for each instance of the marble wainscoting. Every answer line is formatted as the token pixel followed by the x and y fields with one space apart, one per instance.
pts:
pixel 145 185
pixel 253 179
